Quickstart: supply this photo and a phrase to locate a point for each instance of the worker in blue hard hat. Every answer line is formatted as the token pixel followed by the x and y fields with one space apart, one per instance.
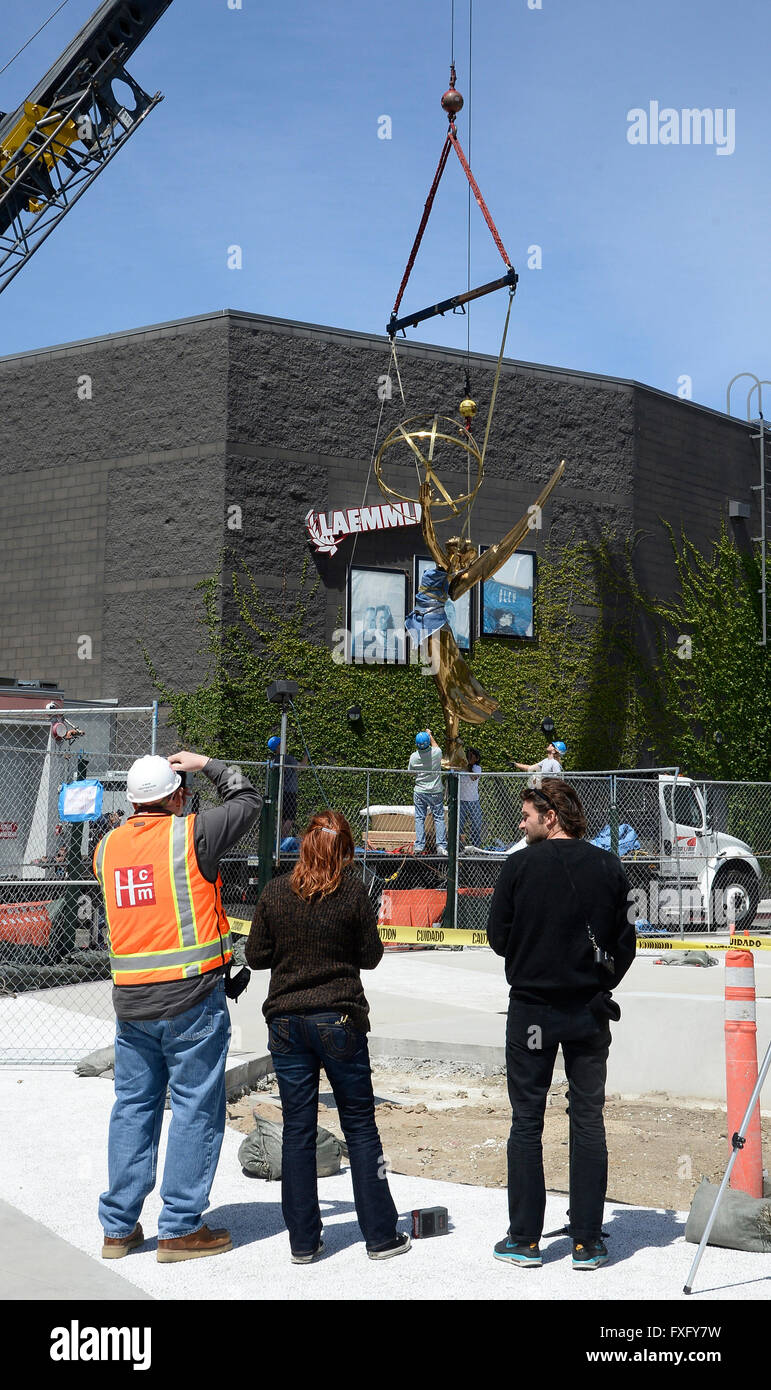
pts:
pixel 551 765
pixel 289 799
pixel 426 762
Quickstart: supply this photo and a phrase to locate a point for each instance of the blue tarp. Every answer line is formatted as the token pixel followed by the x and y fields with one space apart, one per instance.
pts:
pixel 628 840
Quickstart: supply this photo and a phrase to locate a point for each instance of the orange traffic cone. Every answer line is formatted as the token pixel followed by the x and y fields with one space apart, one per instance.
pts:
pixel 741 1067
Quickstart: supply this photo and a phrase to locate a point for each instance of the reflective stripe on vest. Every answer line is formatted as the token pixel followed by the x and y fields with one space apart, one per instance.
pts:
pixel 161 960
pixel 165 921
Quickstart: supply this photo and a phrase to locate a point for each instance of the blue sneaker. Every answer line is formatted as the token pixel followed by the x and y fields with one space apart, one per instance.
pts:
pixel 526 1253
pixel 589 1255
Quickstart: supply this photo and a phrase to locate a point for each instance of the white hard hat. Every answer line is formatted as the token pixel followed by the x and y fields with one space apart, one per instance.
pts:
pixel 151 778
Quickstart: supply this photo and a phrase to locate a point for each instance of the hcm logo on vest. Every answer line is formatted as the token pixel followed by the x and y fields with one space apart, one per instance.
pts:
pixel 134 887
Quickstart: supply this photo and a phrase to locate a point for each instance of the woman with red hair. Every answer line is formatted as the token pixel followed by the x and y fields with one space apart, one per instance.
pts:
pixel 316 930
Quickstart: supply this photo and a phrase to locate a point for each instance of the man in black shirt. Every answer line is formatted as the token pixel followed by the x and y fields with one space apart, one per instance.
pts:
pixel 559 917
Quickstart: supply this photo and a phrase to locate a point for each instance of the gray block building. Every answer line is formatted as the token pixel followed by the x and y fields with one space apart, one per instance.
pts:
pixel 130 462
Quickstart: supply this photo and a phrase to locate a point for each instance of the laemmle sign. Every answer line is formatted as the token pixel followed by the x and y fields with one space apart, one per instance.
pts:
pixel 327 529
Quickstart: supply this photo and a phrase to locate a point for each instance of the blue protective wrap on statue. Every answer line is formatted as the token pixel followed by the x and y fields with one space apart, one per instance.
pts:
pixel 429 613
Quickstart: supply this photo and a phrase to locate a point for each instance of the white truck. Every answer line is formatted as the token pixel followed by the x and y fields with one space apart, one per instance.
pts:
pixel 691 871
pixel 681 869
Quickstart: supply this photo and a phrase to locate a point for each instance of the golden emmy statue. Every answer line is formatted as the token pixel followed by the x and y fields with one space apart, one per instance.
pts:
pixel 459 566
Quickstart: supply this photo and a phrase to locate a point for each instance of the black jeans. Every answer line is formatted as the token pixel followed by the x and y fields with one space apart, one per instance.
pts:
pixel 533 1033
pixel 300 1045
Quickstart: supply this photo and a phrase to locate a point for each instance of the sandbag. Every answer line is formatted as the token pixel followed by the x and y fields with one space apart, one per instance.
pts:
pixel 260 1152
pixel 741 1223
pixel 702 958
pixel 99 1063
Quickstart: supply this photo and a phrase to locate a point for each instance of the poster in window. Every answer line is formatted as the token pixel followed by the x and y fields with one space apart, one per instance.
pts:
pixel 377 607
pixel 508 598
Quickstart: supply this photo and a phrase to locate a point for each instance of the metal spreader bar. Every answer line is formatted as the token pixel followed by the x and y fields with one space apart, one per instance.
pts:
pixel 412 320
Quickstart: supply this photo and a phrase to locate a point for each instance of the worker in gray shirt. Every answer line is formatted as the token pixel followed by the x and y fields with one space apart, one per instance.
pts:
pixel 426 762
pixel 170 951
pixel 551 765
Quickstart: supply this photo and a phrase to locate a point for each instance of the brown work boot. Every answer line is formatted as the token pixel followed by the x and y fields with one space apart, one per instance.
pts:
pixel 115 1247
pixel 193 1247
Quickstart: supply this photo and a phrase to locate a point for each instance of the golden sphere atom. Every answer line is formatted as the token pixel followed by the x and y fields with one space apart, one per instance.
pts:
pixel 428 443
pixel 468 408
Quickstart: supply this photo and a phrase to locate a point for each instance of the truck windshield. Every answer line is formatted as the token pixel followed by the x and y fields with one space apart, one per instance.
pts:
pixel 688 809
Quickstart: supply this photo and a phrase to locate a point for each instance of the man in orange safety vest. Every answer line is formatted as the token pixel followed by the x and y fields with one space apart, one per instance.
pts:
pixel 170 946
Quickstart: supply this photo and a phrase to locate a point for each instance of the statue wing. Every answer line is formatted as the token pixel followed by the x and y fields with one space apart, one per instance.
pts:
pixel 491 560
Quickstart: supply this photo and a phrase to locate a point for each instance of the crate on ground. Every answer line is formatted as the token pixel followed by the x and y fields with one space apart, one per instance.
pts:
pixel 389 827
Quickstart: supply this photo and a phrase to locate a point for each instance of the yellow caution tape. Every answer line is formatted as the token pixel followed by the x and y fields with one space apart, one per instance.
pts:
pixel 736 943
pixel 459 936
pixel 432 936
pixel 405 936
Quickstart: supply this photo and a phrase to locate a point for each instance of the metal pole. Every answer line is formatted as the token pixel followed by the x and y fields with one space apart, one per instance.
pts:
pixel 676 848
pixel 282 755
pixel 708 855
pixel 449 916
pixel 265 836
pixel 613 817
pixel 366 831
pixel 764 628
pixel 737 1141
pixel 68 920
pixel 154 728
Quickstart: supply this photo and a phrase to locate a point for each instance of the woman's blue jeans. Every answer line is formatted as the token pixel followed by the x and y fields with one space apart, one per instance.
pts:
pixel 188 1054
pixel 300 1045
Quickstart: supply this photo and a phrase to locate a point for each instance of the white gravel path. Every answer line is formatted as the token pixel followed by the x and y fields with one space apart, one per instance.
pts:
pixel 53 1166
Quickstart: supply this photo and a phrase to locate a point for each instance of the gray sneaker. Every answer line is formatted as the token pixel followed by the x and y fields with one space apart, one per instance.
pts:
pixel 308 1259
pixel 398 1246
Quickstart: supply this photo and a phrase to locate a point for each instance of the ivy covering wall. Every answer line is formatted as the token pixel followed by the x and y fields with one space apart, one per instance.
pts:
pixel 611 706
pixel 707 692
pixel 581 671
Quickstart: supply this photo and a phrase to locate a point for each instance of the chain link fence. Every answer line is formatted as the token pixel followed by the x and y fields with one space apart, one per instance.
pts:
pixel 697 854
pixel 55 990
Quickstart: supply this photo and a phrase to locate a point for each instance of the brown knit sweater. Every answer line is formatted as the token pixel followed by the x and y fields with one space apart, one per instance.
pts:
pixel 315 950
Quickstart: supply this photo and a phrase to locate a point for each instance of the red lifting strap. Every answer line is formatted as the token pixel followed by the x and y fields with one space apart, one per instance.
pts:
pixel 451 141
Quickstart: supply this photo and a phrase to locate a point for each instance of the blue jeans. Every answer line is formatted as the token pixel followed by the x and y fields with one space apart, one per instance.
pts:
pixel 188 1053
pixel 300 1045
pixel 471 811
pixel 433 802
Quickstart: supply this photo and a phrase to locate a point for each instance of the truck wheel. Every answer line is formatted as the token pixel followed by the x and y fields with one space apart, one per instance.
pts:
pixel 735 897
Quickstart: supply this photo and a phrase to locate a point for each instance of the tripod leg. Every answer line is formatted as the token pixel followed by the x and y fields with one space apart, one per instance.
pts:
pixel 737 1142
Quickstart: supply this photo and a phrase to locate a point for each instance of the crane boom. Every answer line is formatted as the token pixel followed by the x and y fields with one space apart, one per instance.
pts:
pixel 71 125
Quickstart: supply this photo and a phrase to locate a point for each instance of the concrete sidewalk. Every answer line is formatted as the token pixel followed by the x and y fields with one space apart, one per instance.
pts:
pixel 56 1166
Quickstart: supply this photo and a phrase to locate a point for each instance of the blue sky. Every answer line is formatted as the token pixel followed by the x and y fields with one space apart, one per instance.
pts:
pixel 655 261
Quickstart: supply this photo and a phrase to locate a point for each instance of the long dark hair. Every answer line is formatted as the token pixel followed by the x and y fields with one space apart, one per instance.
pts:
pixel 326 850
pixel 558 796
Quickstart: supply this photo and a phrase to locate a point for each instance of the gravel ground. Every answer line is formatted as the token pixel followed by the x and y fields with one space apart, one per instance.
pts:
pixel 451 1123
pixel 56 1166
